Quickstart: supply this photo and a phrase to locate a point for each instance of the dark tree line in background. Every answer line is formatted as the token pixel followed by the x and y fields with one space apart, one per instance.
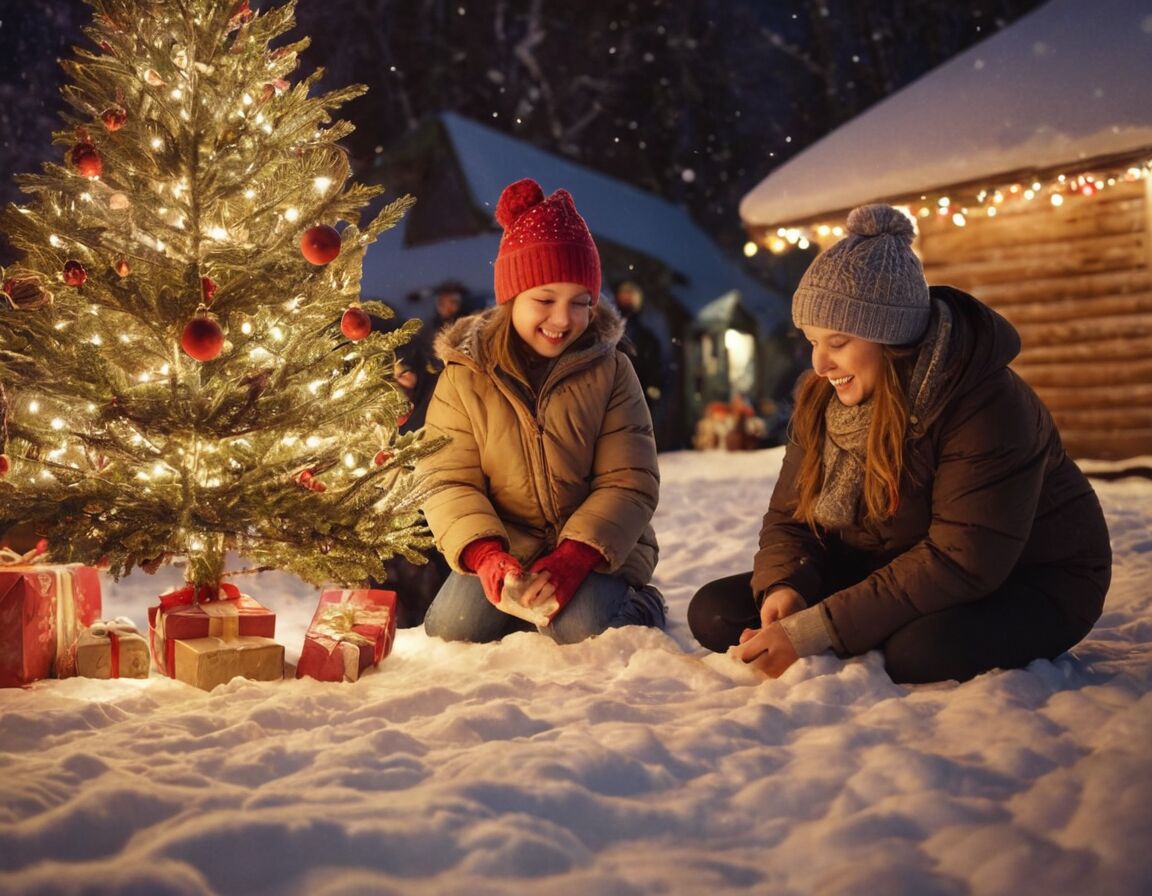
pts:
pixel 694 100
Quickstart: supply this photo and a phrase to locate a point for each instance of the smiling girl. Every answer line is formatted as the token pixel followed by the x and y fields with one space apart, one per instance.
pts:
pixel 925 506
pixel 543 498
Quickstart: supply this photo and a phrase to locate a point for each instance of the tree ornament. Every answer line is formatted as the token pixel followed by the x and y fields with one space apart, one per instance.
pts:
pixel 241 15
pixel 121 267
pixel 118 202
pixel 87 160
pixel 153 79
pixel 114 117
pixel 355 323
pixel 275 88
pixel 208 289
pixel 74 273
pixel 202 338
pixel 26 292
pixel 5 465
pixel 320 244
pixel 382 457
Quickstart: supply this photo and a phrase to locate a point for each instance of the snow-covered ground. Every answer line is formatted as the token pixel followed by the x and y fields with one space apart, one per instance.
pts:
pixel 633 763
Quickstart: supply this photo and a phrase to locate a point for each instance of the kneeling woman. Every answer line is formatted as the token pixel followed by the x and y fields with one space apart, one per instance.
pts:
pixel 544 496
pixel 925 505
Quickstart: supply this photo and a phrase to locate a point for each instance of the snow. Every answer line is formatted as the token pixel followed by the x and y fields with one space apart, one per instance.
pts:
pixel 1065 84
pixel 632 763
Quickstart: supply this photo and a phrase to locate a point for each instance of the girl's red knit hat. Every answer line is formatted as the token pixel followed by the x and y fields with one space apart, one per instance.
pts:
pixel 545 241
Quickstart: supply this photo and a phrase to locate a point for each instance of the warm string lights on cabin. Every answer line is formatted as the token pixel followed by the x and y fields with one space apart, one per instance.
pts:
pixel 988 202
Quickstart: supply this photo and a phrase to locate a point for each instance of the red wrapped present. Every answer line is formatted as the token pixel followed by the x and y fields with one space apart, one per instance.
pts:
pixel 351 631
pixel 42 609
pixel 207 662
pixel 199 612
pixel 112 649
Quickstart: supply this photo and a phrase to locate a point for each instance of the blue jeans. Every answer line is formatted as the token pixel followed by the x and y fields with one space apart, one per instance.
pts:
pixel 461 612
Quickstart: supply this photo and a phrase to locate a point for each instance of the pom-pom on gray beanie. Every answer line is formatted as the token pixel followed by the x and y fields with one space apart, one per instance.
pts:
pixel 870 284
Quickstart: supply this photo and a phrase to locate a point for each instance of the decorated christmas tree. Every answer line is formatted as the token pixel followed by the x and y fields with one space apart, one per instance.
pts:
pixel 189 368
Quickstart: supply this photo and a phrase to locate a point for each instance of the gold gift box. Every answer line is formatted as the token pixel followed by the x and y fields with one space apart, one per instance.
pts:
pixel 207 662
pixel 94 655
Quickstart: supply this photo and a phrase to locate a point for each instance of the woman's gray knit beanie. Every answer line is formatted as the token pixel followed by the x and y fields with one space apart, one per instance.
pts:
pixel 870 284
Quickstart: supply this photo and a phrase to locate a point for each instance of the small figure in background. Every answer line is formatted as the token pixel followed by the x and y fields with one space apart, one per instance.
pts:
pixel 449 307
pixel 641 344
pixel 415 371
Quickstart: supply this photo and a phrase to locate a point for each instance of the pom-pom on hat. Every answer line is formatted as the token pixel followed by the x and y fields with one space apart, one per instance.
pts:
pixel 870 284
pixel 545 241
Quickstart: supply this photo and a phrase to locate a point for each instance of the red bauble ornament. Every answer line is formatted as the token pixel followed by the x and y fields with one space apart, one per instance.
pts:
pixel 304 478
pixel 114 118
pixel 241 15
pixel 5 465
pixel 320 244
pixel 382 457
pixel 355 324
pixel 121 267
pixel 87 160
pixel 202 338
pixel 74 273
pixel 208 289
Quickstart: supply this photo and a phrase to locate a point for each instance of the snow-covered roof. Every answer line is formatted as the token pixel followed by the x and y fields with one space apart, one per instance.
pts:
pixel 1070 82
pixel 615 211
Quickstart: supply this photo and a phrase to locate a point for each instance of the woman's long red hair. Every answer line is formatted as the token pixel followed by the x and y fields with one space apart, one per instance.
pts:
pixel 884 456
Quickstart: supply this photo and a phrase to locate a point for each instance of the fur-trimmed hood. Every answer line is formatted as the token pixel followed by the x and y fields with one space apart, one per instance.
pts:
pixel 464 341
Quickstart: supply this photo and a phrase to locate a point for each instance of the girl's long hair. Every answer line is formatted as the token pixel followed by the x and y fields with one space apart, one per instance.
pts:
pixel 500 340
pixel 884 455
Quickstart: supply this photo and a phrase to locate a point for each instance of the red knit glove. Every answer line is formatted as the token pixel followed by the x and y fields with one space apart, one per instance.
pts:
pixel 567 567
pixel 487 558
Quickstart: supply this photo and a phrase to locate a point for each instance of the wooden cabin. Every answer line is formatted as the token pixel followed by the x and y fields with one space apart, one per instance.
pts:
pixel 1031 190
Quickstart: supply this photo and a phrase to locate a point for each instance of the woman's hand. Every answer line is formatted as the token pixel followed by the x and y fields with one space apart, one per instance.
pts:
pixel 767 649
pixel 778 603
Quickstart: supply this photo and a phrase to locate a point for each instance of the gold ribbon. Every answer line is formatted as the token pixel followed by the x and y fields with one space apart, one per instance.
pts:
pixel 9 557
pixel 337 621
pixel 223 620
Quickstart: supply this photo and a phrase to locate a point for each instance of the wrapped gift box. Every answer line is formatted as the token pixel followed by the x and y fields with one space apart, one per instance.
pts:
pixel 42 609
pixel 351 631
pixel 207 662
pixel 112 649
pixel 181 616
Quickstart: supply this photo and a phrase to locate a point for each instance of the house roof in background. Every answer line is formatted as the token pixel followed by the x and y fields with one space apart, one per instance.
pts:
pixel 615 211
pixel 1070 82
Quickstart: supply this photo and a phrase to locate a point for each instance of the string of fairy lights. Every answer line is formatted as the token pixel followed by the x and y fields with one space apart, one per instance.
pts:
pixel 260 334
pixel 987 202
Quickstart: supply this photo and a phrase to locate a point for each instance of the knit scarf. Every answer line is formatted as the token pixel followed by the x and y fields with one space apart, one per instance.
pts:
pixel 846 428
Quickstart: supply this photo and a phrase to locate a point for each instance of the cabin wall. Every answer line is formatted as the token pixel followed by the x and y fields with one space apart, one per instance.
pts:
pixel 1076 281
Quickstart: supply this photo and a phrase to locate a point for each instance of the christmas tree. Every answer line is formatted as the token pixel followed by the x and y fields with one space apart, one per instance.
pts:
pixel 189 368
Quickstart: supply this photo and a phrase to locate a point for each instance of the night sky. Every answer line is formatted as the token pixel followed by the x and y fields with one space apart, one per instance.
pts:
pixel 695 100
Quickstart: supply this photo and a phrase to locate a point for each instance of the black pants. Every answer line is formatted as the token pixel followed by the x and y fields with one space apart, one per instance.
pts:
pixel 1035 616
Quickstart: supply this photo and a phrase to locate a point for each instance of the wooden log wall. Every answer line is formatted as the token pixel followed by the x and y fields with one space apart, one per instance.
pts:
pixel 1076 281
